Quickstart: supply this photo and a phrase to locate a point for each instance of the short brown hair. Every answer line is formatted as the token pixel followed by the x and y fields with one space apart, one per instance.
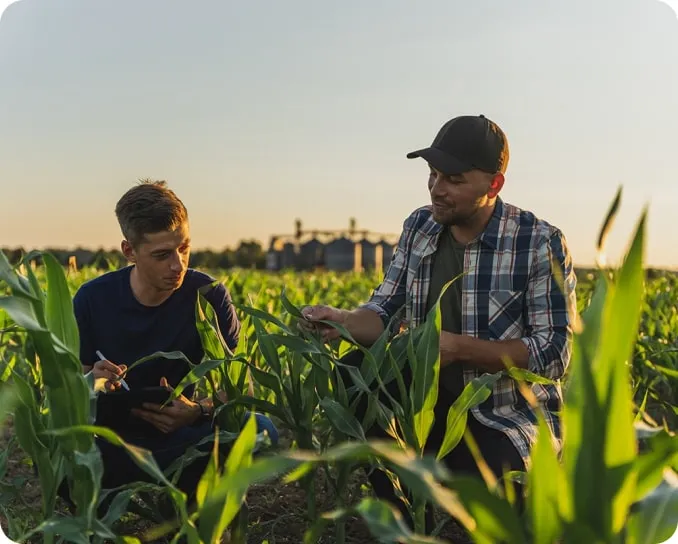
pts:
pixel 148 208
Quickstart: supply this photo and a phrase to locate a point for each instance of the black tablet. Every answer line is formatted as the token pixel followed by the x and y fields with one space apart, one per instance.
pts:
pixel 113 408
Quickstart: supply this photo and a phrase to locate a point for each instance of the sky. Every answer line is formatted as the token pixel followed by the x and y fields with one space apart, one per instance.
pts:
pixel 257 113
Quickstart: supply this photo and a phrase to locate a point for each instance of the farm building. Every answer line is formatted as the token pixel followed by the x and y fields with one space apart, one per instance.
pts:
pixel 339 250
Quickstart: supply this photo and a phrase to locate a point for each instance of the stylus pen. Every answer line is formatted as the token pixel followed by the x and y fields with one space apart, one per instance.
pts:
pixel 122 381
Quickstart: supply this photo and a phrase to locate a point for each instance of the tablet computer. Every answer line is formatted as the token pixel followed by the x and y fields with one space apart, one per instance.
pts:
pixel 114 407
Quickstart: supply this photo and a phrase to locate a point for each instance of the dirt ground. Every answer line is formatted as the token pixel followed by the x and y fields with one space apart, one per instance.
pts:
pixel 277 511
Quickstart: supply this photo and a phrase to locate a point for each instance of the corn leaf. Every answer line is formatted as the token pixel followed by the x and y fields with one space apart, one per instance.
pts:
pixel 475 392
pixel 545 487
pixel 58 306
pixel 426 370
pixel 382 519
pixel 222 504
pixel 343 420
pixel 655 518
pixel 495 519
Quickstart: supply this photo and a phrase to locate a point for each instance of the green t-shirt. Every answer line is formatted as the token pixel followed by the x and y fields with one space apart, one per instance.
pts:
pixel 447 264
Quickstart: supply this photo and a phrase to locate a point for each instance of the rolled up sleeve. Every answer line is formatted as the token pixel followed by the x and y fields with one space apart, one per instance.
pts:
pixel 390 295
pixel 550 307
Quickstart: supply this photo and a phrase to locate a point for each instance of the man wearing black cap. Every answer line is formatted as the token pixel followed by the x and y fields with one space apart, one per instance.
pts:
pixel 508 303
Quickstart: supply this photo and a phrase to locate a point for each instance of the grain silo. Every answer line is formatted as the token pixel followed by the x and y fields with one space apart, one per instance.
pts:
pixel 273 254
pixel 372 255
pixel 387 249
pixel 288 258
pixel 343 255
pixel 311 254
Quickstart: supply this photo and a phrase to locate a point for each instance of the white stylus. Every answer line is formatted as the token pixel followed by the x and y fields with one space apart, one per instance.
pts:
pixel 122 381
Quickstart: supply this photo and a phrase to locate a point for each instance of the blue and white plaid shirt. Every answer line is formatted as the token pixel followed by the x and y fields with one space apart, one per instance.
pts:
pixel 509 292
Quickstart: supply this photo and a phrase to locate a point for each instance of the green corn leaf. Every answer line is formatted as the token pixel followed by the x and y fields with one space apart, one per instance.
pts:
pixel 196 374
pixel 8 275
pixel 650 465
pixel 141 457
pixel 523 375
pixel 261 406
pixel 475 392
pixel 609 220
pixel 293 343
pixel 222 505
pixel 118 505
pixel 22 312
pixel 269 381
pixel 383 520
pixel 545 487
pixel 343 420
pixel 655 518
pixel 289 307
pixel 71 529
pixel 426 371
pixel 323 382
pixel 8 400
pixel 268 347
pixel 59 306
pixel 495 519
pixel 309 396
pixel 211 339
pixel 209 478
pixel 598 413
pixel 174 355
pixel 622 320
pixel 261 315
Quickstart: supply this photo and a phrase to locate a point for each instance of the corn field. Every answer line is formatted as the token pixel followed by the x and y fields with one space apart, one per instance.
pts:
pixel 615 483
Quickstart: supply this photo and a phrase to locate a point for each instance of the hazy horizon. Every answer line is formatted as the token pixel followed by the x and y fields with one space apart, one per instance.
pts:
pixel 260 113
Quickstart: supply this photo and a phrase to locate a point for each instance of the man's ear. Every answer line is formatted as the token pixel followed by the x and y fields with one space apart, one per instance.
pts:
pixel 128 251
pixel 496 185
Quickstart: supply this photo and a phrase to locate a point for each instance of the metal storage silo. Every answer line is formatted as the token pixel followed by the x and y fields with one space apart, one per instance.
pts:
pixel 343 254
pixel 288 259
pixel 311 254
pixel 387 253
pixel 371 254
pixel 272 260
pixel 273 254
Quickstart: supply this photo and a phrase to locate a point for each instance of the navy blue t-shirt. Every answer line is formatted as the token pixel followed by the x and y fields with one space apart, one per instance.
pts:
pixel 111 320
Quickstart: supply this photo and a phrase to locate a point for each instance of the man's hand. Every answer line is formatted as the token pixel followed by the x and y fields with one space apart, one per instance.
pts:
pixel 107 375
pixel 313 314
pixel 179 413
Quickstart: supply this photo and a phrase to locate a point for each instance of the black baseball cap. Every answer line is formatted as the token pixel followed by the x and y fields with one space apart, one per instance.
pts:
pixel 466 143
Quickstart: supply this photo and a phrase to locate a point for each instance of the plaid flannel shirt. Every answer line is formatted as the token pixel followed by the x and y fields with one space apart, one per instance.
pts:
pixel 509 292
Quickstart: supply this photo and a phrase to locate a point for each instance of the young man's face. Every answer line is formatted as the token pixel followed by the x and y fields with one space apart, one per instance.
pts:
pixel 161 258
pixel 457 199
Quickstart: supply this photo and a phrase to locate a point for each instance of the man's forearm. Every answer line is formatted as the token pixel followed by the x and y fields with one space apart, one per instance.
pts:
pixel 484 354
pixel 364 325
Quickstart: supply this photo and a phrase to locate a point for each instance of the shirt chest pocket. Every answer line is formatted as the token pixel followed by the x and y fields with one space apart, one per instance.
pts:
pixel 505 314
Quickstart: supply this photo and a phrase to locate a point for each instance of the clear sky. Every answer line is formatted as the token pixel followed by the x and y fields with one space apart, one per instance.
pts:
pixel 260 112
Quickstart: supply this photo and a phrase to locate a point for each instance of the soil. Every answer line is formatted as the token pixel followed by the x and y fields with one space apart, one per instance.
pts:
pixel 277 511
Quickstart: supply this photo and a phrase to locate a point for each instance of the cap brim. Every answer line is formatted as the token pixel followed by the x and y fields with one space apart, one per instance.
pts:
pixel 442 161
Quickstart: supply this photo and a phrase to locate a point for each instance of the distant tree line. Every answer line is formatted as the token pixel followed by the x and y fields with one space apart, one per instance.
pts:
pixel 248 254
